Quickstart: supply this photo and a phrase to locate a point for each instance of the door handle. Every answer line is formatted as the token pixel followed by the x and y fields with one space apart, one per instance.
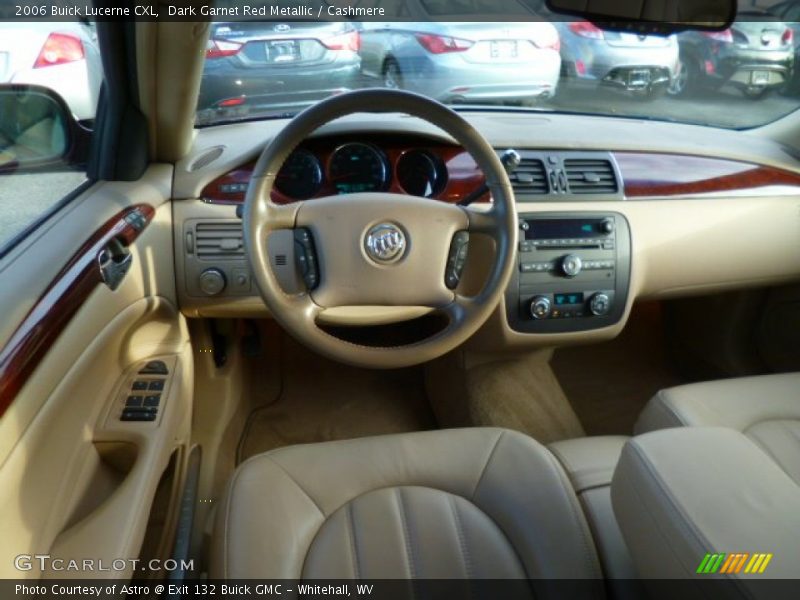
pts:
pixel 114 261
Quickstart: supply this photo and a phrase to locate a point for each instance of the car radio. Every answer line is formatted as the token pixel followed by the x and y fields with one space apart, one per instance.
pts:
pixel 573 272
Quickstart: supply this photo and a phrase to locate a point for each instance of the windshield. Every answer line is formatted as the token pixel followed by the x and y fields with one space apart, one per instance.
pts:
pixel 741 77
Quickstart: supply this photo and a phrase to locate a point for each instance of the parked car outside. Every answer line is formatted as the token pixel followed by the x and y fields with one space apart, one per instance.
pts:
pixel 61 56
pixel 643 65
pixel 469 63
pixel 756 55
pixel 268 67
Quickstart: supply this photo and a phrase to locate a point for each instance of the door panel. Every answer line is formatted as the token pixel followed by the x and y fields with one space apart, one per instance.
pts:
pixel 76 482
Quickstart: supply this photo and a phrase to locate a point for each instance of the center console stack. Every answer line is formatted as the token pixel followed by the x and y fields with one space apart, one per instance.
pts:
pixel 573 272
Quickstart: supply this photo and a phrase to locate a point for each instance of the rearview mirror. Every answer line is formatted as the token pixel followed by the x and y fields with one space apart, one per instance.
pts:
pixel 37 131
pixel 651 16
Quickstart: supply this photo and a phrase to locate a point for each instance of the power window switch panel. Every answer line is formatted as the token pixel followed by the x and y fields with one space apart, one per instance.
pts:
pixel 152 401
pixel 156 386
pixel 139 385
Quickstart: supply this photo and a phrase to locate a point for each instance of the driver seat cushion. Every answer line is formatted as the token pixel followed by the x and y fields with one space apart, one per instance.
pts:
pixel 765 408
pixel 465 503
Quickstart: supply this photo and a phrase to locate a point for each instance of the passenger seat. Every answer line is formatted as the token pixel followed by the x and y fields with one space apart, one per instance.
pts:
pixel 766 409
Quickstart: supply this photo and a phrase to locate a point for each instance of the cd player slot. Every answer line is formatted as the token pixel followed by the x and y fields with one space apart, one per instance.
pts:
pixel 572 247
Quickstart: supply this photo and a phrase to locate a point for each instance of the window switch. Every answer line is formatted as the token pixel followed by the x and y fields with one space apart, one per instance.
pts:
pixel 156 386
pixel 152 401
pixel 133 401
pixel 139 385
pixel 139 414
pixel 155 367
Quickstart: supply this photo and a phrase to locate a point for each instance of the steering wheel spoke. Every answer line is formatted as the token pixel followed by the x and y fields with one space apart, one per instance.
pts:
pixel 382 254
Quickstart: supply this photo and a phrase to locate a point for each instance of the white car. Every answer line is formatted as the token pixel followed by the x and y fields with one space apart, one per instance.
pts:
pixel 61 56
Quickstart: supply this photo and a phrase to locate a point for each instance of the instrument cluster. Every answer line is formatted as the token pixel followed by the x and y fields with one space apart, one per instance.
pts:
pixel 332 166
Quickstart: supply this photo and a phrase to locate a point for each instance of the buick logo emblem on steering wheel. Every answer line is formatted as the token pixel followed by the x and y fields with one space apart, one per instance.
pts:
pixel 385 243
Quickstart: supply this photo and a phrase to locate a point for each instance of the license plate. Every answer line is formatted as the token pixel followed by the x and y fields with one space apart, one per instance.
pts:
pixel 639 78
pixel 504 49
pixel 759 77
pixel 281 52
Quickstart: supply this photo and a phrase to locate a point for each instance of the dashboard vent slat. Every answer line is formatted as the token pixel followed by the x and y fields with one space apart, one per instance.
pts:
pixel 219 240
pixel 590 176
pixel 529 177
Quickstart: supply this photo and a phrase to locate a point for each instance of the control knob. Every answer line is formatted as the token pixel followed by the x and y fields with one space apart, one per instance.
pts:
pixel 541 307
pixel 212 282
pixel 600 304
pixel 571 265
pixel 607 225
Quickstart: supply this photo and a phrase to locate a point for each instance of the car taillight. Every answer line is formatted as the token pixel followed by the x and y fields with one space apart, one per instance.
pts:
pixel 222 48
pixel 346 41
pixel 587 30
pixel 58 49
pixel 442 44
pixel 228 102
pixel 788 36
pixel 720 36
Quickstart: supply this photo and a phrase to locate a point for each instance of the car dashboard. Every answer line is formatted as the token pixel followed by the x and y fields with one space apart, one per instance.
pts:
pixel 604 220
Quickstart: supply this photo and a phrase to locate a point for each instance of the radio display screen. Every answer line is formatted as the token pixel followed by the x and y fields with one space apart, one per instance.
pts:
pixel 549 229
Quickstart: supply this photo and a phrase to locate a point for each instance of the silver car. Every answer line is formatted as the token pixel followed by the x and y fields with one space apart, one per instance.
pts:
pixel 61 56
pixel 644 65
pixel 464 62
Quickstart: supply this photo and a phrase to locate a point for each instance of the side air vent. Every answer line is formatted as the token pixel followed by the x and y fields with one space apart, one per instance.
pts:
pixel 217 240
pixel 590 176
pixel 529 177
pixel 206 158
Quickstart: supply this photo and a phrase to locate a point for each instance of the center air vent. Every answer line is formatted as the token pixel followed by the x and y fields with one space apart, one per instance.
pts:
pixel 590 176
pixel 529 177
pixel 217 240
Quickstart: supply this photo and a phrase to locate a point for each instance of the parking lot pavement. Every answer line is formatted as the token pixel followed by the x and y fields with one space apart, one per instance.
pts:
pixel 23 198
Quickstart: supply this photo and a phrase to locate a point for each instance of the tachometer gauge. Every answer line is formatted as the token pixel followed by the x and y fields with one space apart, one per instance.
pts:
pixel 420 173
pixel 300 176
pixel 358 167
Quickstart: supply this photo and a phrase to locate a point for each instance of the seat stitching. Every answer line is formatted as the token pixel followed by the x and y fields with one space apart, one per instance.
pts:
pixel 486 465
pixel 299 487
pixel 353 542
pixel 406 536
pixel 462 542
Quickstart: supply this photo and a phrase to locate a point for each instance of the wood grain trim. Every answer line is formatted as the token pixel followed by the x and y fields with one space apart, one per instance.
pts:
pixel 659 175
pixel 55 308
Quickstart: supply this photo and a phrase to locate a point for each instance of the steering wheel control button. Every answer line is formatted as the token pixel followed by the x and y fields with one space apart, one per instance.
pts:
pixel 600 304
pixel 456 259
pixel 155 367
pixel 212 282
pixel 385 243
pixel 305 254
pixel 571 265
pixel 541 307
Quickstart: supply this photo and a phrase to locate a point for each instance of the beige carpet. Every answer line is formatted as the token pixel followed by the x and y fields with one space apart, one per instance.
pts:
pixel 321 400
pixel 608 384
pixel 518 393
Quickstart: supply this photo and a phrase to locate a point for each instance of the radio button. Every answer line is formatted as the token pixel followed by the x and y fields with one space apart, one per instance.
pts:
pixel 571 265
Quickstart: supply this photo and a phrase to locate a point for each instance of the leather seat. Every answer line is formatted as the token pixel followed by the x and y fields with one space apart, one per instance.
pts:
pixel 766 409
pixel 453 504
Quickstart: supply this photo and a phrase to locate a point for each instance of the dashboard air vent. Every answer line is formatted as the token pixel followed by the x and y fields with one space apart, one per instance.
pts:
pixel 590 176
pixel 529 177
pixel 219 240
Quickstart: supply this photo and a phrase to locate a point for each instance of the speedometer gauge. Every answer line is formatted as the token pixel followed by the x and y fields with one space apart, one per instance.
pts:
pixel 300 176
pixel 358 167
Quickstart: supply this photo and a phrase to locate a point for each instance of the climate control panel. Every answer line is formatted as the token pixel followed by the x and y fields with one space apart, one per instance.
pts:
pixel 573 272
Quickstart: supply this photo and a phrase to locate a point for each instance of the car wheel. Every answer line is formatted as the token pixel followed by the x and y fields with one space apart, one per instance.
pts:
pixel 685 81
pixel 392 77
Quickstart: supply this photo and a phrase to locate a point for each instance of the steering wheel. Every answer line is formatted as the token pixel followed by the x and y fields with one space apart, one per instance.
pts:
pixel 380 249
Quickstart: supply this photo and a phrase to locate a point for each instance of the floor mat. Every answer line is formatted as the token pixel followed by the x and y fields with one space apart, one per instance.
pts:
pixel 321 400
pixel 608 384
